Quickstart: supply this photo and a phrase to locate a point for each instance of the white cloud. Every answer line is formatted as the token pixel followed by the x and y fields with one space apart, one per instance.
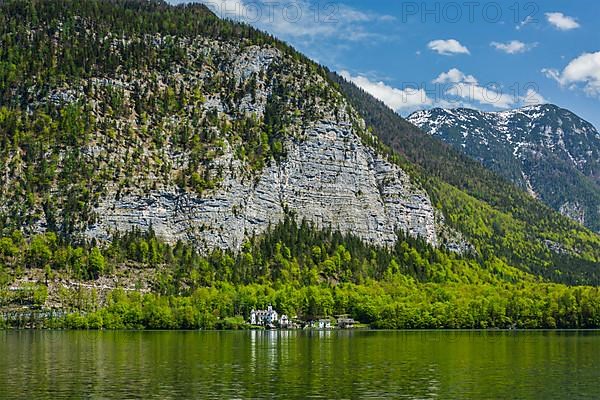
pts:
pixel 513 47
pixel 455 76
pixel 399 100
pixel 467 87
pixel 582 71
pixel 552 74
pixel 456 89
pixel 481 94
pixel 299 19
pixel 387 18
pixel 463 90
pixel 526 22
pixel 532 97
pixel 561 21
pixel 448 47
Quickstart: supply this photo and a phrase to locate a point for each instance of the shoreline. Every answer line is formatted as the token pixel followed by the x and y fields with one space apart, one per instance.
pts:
pixel 366 329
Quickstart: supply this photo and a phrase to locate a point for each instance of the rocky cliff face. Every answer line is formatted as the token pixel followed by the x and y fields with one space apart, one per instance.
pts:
pixel 329 178
pixel 547 150
pixel 211 146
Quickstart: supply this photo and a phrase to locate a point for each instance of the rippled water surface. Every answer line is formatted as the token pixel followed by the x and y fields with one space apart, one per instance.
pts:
pixel 286 365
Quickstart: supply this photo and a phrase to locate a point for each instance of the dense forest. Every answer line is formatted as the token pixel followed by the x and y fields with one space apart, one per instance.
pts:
pixel 300 271
pixel 522 268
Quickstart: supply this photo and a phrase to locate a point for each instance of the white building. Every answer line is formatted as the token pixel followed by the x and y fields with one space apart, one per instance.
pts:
pixel 323 323
pixel 346 322
pixel 285 322
pixel 269 317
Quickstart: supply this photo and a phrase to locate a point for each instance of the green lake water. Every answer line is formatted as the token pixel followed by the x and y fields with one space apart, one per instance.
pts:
pixel 294 365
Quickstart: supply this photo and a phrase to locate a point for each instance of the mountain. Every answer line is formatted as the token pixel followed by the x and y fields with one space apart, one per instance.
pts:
pixel 544 149
pixel 207 141
pixel 491 212
pixel 164 168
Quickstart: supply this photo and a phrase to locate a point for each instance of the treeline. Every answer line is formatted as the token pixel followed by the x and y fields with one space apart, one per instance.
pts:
pixel 287 253
pixel 298 269
pixel 398 303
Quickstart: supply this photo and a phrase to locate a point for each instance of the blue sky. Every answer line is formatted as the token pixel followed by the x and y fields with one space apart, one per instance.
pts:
pixel 481 54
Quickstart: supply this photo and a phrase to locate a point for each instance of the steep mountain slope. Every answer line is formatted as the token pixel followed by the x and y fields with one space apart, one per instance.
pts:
pixel 207 141
pixel 495 216
pixel 135 115
pixel 544 149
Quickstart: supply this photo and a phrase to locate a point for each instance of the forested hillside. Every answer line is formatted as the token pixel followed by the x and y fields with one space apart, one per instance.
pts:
pixel 295 268
pixel 164 168
pixel 494 213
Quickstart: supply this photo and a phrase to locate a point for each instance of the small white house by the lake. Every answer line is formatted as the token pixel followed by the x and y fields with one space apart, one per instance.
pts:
pixel 323 323
pixel 269 317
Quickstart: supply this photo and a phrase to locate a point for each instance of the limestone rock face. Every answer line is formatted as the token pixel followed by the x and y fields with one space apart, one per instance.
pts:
pixel 215 146
pixel 329 178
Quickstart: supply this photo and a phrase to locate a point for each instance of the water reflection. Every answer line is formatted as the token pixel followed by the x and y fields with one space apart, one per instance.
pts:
pixel 299 364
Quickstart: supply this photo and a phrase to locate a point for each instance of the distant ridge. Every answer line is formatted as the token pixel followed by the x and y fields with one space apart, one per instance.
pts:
pixel 545 149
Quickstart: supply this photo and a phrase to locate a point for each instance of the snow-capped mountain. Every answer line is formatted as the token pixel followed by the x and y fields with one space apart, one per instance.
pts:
pixel 545 149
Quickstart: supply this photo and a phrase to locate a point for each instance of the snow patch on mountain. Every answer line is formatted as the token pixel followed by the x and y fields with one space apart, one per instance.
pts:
pixel 548 151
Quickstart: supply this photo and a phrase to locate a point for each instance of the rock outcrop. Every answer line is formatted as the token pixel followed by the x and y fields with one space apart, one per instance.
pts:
pixel 328 177
pixel 212 146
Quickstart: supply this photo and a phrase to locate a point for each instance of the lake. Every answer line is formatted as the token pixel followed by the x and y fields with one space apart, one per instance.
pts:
pixel 297 364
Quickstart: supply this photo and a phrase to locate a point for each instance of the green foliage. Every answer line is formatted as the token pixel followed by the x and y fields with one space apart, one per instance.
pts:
pixel 232 323
pixel 310 273
pixel 39 296
pixel 40 250
pixel 34 143
pixel 96 263
pixel 500 220
pixel 32 295
pixel 300 255
pixel 397 304
pixel 300 270
pixel 46 252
